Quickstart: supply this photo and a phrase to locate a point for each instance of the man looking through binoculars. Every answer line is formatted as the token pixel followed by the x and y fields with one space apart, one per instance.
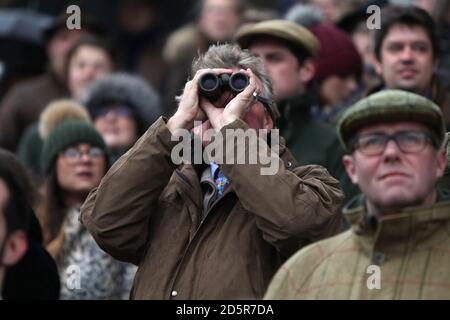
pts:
pixel 220 104
pixel 208 231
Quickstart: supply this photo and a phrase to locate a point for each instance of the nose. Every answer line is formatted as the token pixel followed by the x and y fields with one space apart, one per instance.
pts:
pixel 407 54
pixel 111 115
pixel 392 151
pixel 85 158
pixel 89 73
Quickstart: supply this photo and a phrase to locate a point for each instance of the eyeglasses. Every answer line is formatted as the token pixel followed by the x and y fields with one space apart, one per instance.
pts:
pixel 374 144
pixel 75 154
pixel 122 111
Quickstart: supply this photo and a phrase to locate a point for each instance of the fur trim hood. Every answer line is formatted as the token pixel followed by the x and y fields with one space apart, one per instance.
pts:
pixel 127 89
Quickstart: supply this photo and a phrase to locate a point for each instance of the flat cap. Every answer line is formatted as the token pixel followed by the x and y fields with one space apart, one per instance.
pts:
pixel 391 106
pixel 282 29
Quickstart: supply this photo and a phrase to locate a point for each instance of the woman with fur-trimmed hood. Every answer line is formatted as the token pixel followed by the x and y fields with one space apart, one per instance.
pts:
pixel 122 107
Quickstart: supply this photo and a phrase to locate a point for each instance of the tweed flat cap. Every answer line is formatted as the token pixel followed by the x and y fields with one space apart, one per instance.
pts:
pixel 283 29
pixel 391 106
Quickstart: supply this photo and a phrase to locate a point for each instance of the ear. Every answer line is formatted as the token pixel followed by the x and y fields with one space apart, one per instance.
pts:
pixel 349 165
pixel 15 248
pixel 377 66
pixel 441 159
pixel 307 71
pixel 371 58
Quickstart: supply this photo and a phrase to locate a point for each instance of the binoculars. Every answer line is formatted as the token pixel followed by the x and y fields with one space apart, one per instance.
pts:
pixel 212 85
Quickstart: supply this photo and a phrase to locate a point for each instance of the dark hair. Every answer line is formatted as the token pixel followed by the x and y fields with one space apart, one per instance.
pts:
pixel 54 209
pixel 299 52
pixel 22 192
pixel 90 41
pixel 410 16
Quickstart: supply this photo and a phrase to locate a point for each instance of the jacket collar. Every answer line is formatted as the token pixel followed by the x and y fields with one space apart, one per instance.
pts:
pixel 191 175
pixel 295 113
pixel 411 226
pixel 298 105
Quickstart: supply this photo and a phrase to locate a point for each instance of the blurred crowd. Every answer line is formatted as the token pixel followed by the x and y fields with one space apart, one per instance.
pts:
pixel 85 97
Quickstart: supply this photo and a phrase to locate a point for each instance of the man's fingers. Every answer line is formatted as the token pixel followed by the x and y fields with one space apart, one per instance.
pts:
pixel 213 113
pixel 200 116
pixel 217 71
pixel 251 88
pixel 210 110
pixel 189 95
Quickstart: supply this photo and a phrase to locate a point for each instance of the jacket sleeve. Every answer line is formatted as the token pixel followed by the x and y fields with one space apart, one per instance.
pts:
pixel 117 213
pixel 292 208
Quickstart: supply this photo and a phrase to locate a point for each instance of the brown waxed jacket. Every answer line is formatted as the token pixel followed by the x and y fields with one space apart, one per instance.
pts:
pixel 149 211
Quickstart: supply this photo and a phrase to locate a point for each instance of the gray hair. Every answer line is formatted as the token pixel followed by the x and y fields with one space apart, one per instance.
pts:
pixel 232 56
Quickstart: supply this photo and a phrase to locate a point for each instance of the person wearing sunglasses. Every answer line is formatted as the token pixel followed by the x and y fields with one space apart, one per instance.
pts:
pixel 122 107
pixel 399 243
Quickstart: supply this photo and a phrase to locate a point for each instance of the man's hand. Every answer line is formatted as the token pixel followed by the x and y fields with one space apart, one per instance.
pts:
pixel 235 109
pixel 189 108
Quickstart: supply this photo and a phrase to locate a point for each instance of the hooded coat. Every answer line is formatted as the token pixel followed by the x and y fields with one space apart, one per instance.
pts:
pixel 129 90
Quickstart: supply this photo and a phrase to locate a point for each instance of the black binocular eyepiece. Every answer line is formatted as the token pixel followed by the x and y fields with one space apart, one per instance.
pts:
pixel 212 86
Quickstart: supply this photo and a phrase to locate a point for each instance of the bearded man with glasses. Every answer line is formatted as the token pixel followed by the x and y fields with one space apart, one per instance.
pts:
pixel 398 246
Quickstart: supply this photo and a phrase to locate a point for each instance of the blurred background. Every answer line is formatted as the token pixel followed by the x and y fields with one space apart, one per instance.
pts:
pixel 123 70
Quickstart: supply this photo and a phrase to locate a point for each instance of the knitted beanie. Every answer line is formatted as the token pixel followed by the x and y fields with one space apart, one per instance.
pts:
pixel 338 55
pixel 67 134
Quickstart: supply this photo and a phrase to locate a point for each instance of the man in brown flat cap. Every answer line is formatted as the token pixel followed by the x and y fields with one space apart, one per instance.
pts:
pixel 287 51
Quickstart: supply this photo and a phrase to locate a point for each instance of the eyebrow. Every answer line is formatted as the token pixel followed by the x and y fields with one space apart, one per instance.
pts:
pixel 402 43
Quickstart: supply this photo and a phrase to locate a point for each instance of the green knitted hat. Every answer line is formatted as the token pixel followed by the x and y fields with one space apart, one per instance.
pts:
pixel 390 106
pixel 67 134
